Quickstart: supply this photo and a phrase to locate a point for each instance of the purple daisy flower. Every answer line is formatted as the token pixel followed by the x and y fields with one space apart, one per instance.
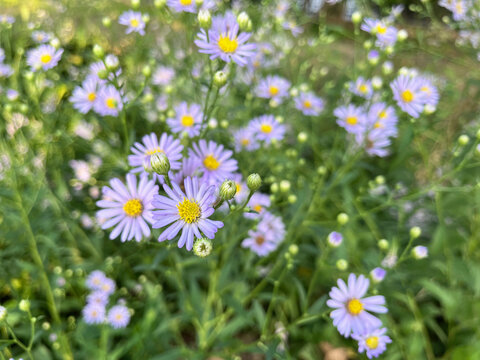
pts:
pixel 381 116
pixel 188 211
pixel 83 97
pixel 216 163
pixel 351 118
pixel 362 88
pixel 335 239
pixel 375 142
pixel 182 5
pixel 294 28
pixel 163 75
pixel 43 57
pixel 259 203
pixel 5 70
pixel 95 280
pixel 98 297
pixel 245 140
pixel 309 104
pixel 273 87
pixel 108 102
pixel 118 316
pixel 374 342
pixel 269 234
pixel 40 37
pixel 151 144
pixel 267 128
pixel 188 119
pixel 408 95
pixel 351 309
pixel 225 42
pixel 134 22
pixel 430 91
pixel 128 207
pixel 190 167
pixel 420 252
pixel 94 313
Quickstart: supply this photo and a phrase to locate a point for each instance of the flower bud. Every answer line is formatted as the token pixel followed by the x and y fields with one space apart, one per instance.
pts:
pixel 292 198
pixel 387 67
pixel 293 249
pixel 342 218
pixel 55 43
pixel 135 4
pixel 147 71
pixel 159 163
pixel 24 305
pixel 284 186
pixel 356 17
pixel 159 3
pixel 204 19
pixel 3 313
pixel 46 326
pixel 103 74
pixel 380 180
pixel 254 181
pixel 112 62
pixel 228 189
pixel 463 140
pixel 199 2
pixel 212 123
pixel 224 124
pixel 146 18
pixel 342 264
pixel 98 51
pixel 202 247
pixel 429 109
pixel 402 35
pixel 383 244
pixel 244 21
pixel 368 44
pixel 415 232
pixel 220 78
pixel 377 82
pixel 420 252
pixel 107 22
pixel 335 239
pixel 378 274
pixel 274 188
pixel 322 170
pixel 302 137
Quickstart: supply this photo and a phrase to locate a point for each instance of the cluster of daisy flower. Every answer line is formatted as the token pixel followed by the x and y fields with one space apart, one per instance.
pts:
pixel 352 314
pixel 5 69
pixel 95 310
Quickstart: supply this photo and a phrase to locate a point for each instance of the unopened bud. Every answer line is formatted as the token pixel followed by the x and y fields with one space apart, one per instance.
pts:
pixel 98 51
pixel 204 19
pixel 335 239
pixel 402 35
pixel 420 252
pixel 254 181
pixel 293 249
pixel 378 274
pixel 302 137
pixel 284 186
pixel 463 140
pixel 135 4
pixel 415 232
pixel 24 305
pixel 356 17
pixel 220 78
pixel 112 62
pixel 244 21
pixel 342 218
pixel 202 247
pixel 147 71
pixel 228 189
pixel 103 74
pixel 342 264
pixel 383 244
pixel 159 163
pixel 106 21
pixel 159 3
pixel 292 198
pixel 3 313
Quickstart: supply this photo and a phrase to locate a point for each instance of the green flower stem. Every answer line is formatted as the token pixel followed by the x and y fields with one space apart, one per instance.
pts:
pixel 18 342
pixel 276 287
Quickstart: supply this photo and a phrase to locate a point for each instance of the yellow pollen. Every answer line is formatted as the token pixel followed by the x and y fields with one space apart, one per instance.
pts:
pixel 118 316
pixel 273 90
pixel 382 115
pixel 133 208
pixel 307 104
pixel 187 120
pixel 363 88
pixel 245 142
pixel 185 2
pixel 91 97
pixel 110 102
pixel 257 208
pixel 372 342
pixel 259 240
pixel 239 187
pixel 407 96
pixel 46 58
pixel 134 22
pixel 425 89
pixel 154 151
pixel 256 63
pixel 381 29
pixel 211 163
pixel 354 307
pixel 351 120
pixel 266 128
pixel 227 45
pixel 94 313
pixel 377 125
pixel 189 211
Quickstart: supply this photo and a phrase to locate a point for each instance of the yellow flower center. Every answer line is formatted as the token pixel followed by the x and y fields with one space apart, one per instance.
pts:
pixel 111 103
pixel 187 120
pixel 189 211
pixel 372 342
pixel 259 240
pixel 382 114
pixel 245 142
pixel 354 307
pixel 266 128
pixel 133 207
pixel 273 90
pixel 46 58
pixel 363 88
pixel 211 163
pixel 154 151
pixel 134 22
pixel 119 317
pixel 257 208
pixel 377 125
pixel 351 120
pixel 307 104
pixel 185 2
pixel 407 96
pixel 227 45
pixel 425 89
pixel 91 97
pixel 239 187
pixel 381 29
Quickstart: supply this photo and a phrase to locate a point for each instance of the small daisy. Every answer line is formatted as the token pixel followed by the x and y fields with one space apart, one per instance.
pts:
pixel 190 167
pixel 259 242
pixel 381 116
pixel 108 101
pixel 294 28
pixel 430 92
pixel 188 211
pixel 151 145
pixel 5 70
pixel 98 297
pixel 94 313
pixel 83 98
pixel 128 207
pixel 309 104
pixel 40 37
pixel 245 140
pixel 362 88
pixel 350 314
pixel 118 316
pixel 273 87
pixel 95 280
pixel 408 95
pixel 108 286
pixel 224 41
pixel 351 118
pixel 374 342
pixel 134 22
pixel 259 203
pixel 43 57
pixel 188 119
pixel 375 142
pixel 267 128
pixel 189 5
pixel 272 225
pixel 216 163
pixel 163 75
